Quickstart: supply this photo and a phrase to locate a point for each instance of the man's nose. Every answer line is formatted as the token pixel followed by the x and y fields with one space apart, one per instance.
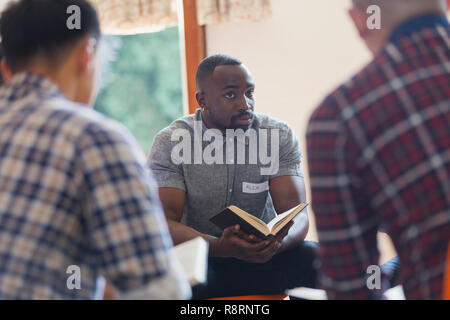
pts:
pixel 244 104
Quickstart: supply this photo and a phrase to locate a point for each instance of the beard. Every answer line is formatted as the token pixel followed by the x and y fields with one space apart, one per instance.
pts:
pixel 234 122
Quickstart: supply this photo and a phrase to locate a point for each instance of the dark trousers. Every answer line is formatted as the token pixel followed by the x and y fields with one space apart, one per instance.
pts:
pixel 289 269
pixel 232 277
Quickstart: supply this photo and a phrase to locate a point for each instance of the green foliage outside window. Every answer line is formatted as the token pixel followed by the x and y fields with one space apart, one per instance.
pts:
pixel 142 82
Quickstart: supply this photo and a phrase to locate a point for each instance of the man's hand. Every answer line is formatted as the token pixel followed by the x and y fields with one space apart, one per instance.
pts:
pixel 237 244
pixel 278 237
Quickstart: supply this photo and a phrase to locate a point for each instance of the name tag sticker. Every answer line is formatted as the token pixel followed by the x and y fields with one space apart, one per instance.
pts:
pixel 255 187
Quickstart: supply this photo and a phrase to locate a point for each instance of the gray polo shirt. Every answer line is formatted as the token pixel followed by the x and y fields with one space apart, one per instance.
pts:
pixel 217 171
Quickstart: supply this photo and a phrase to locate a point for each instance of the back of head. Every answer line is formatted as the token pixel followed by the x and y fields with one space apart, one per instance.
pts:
pixel 209 64
pixel 396 10
pixel 391 13
pixel 39 28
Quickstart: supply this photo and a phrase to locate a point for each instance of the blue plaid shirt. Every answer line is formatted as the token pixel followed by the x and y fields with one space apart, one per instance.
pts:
pixel 74 191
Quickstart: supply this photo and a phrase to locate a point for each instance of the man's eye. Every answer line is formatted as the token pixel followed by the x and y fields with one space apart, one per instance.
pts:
pixel 250 93
pixel 230 95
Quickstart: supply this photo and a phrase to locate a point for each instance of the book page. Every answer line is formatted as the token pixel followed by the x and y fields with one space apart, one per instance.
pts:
pixel 282 216
pixel 257 223
pixel 303 293
pixel 193 258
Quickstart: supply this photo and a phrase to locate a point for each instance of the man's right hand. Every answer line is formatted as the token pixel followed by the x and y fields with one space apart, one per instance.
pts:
pixel 232 244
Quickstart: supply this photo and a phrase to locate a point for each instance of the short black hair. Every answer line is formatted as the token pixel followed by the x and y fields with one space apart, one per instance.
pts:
pixel 28 27
pixel 209 64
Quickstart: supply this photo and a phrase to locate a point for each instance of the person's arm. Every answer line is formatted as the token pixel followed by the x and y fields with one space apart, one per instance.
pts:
pixel 287 189
pixel 286 193
pixel 229 244
pixel 123 218
pixel 173 200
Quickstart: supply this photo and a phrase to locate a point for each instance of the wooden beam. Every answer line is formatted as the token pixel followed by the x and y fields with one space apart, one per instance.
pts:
pixel 194 49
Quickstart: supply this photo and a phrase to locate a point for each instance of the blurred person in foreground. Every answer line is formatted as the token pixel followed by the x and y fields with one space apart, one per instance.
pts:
pixel 379 154
pixel 77 202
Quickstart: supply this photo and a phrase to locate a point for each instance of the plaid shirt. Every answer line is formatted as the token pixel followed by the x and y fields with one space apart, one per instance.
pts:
pixel 379 159
pixel 74 190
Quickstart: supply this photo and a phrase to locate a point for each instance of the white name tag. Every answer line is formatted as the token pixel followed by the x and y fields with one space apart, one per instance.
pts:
pixel 255 187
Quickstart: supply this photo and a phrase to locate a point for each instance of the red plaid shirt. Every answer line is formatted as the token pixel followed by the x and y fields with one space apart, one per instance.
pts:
pixel 379 159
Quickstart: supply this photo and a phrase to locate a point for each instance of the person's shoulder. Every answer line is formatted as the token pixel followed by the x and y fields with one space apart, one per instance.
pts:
pixel 80 121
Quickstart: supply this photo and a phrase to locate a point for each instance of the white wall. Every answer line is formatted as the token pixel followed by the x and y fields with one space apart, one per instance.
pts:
pixel 296 57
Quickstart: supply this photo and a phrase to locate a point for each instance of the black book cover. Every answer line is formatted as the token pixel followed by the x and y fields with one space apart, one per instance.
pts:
pixel 227 218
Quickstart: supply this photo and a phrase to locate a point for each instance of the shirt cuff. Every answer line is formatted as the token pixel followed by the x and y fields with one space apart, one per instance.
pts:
pixel 289 171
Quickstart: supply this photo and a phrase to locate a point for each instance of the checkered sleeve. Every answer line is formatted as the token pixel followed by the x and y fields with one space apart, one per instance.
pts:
pixel 347 231
pixel 124 220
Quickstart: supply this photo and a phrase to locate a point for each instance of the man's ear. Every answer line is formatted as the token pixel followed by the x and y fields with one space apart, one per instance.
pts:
pixel 201 99
pixel 359 18
pixel 5 70
pixel 86 53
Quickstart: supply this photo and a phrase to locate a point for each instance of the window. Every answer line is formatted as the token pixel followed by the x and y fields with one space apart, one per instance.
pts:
pixel 142 84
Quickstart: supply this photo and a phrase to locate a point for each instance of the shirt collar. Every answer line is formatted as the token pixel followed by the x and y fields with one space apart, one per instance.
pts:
pixel 418 23
pixel 25 83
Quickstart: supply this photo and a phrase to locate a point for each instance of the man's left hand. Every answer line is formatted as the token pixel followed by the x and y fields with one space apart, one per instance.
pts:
pixel 279 237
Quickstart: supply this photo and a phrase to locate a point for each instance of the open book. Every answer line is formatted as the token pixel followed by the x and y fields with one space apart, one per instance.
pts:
pixel 193 258
pixel 250 224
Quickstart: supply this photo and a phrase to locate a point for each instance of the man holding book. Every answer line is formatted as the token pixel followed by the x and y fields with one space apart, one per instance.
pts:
pixel 226 154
